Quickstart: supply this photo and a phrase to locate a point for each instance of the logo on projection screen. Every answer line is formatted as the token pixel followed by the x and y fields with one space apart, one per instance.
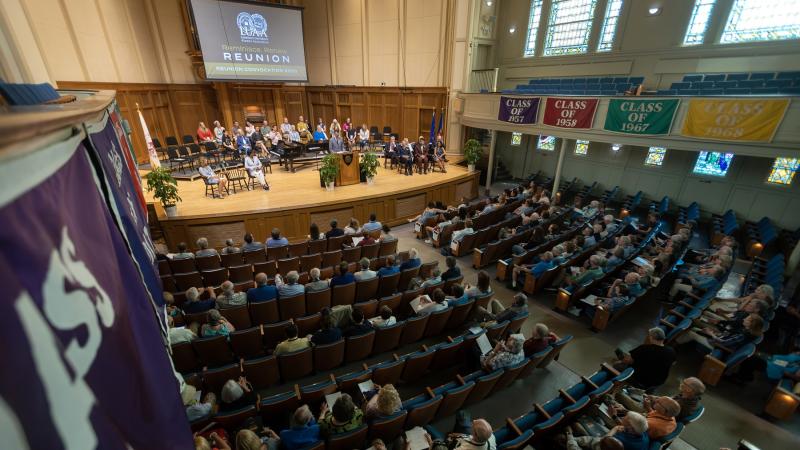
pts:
pixel 252 28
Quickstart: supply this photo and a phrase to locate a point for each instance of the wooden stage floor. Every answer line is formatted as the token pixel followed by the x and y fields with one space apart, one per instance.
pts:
pixel 300 190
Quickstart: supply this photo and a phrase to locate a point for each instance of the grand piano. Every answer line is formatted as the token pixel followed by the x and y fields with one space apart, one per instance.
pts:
pixel 301 154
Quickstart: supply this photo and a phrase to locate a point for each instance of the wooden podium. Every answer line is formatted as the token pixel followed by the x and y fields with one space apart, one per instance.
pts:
pixel 349 172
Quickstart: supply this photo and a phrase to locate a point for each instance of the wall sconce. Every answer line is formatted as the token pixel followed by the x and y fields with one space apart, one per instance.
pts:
pixel 616 147
pixel 654 11
pixel 512 29
pixel 488 2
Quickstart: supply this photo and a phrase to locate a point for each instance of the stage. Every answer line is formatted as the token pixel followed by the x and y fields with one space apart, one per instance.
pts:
pixel 295 200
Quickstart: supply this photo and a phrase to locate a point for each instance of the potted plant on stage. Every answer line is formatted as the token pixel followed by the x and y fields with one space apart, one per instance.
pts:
pixel 164 188
pixel 328 170
pixel 472 153
pixel 369 166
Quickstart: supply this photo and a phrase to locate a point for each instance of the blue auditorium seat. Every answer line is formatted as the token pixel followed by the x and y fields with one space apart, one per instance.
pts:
pixel 593 81
pixel 579 92
pixel 592 92
pixel 737 91
pixel 736 76
pixel 692 78
pixel 688 91
pixel 779 83
pixel 682 85
pixel 620 79
pixel 702 85
pixel 636 80
pixel 725 84
pixel 566 81
pixel 608 86
pixel 608 92
pixel 712 91
pixel 667 92
pixel 714 77
pixel 795 90
pixel 764 91
pixel 622 87
pixel 606 80
pixel 751 83
pixel 762 76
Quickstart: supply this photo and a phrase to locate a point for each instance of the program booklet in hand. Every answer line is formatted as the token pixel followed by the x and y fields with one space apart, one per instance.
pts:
pixel 419 302
pixel 416 438
pixel 357 239
pixel 590 300
pixel 366 386
pixel 483 344
pixel 330 399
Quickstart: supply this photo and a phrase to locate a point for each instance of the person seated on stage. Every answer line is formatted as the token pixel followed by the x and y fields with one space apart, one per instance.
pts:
pixel 286 128
pixel 243 144
pixel 352 228
pixel 316 284
pixel 291 287
pixel 336 144
pixel 390 152
pixel 363 137
pixel 293 135
pixel 440 156
pixel 257 139
pixel 319 134
pixel 207 172
pixel 230 247
pixel 321 124
pixel 202 245
pixel 390 268
pixel 335 231
pixel 304 130
pixel 412 262
pixel 254 167
pixel 347 126
pixel 204 134
pixel 365 274
pixel 343 277
pixel 276 240
pixel 263 290
pixel 335 127
pixel 405 156
pixel 421 155
pixel 387 234
pixel 182 252
pixel 292 343
pixel 219 131
pixel 372 225
pixel 227 142
pixel 274 136
pixel 235 128
pixel 249 128
pixel 250 245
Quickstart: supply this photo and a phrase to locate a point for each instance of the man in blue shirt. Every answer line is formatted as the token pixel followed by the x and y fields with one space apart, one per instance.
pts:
pixel 303 430
pixel 291 287
pixel 250 245
pixel 389 268
pixel 263 291
pixel 372 225
pixel 276 240
pixel 344 276
pixel 545 264
pixel 459 297
pixel 412 261
pixel 193 303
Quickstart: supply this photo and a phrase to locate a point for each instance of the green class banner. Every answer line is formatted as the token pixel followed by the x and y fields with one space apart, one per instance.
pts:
pixel 645 117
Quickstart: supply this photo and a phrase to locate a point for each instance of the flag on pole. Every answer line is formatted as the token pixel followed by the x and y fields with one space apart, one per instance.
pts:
pixel 151 150
pixel 441 122
pixel 433 127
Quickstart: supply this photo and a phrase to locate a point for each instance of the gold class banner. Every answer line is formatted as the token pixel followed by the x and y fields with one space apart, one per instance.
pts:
pixel 753 120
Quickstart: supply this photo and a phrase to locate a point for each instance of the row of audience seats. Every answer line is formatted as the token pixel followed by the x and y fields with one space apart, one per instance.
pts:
pixel 765 271
pixel 736 84
pixel 580 86
pixel 759 235
pixel 631 203
pixel 723 225
pixel 661 207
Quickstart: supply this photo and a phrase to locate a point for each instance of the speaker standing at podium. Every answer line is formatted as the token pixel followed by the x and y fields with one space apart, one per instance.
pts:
pixel 336 144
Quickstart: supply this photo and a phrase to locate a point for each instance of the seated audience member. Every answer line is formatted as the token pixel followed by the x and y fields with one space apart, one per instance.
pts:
pixel 725 319
pixel 194 304
pixel 459 297
pixel 467 434
pixel 181 334
pixel 182 252
pixel 316 285
pixel 544 264
pixel 329 333
pixel 688 398
pixel 343 276
pixel 763 292
pixel 335 231
pixel 390 268
pixel 263 290
pixel 412 262
pixel 385 403
pixel 660 416
pixel 236 395
pixel 372 225
pixel 729 337
pixel 504 354
pixel 698 284
pixel 611 226
pixel 484 286
pixel 617 298
pixel 230 247
pixel 453 271
pixel 365 274
pixel 435 279
pixel 358 325
pixel 229 297
pixel 651 361
pixel 202 245
pixel 211 177
pixel 584 276
pixel 313 232
pixel 588 236
pixel 291 287
pixel 292 343
pixel 276 240
pixel 519 307
pixel 617 258
pixel 302 432
pixel 250 245
pixel 428 213
pixel 344 416
pixel 366 240
pixel 353 228
pixel 194 409
pixel 429 305
pixel 384 318
pixel 540 339
pixel 387 234
pixel 459 235
pixel 217 325
pixel 631 433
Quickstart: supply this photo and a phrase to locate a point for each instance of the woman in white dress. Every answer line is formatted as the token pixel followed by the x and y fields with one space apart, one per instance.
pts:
pixel 254 167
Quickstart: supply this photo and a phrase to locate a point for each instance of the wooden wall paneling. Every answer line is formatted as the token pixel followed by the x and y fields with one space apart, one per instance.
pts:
pixel 216 233
pixel 294 101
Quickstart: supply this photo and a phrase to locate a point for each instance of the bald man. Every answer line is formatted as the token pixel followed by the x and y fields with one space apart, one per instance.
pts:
pixel 469 434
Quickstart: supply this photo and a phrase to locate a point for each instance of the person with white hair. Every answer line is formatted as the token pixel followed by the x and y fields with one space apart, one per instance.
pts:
pixel 230 247
pixel 302 432
pixel 505 353
pixel 229 297
pixel 763 292
pixel 697 284
pixel 688 399
pixel 412 262
pixel 540 339
pixel 202 244
pixel 291 287
pixel 236 394
pixel 179 334
pixel 631 433
pixel 217 325
pixel 591 209
pixel 196 409
pixel 182 253
pixel 365 273
pixel 610 224
pixel 316 285
pixel 468 434
pixel 263 291
pixel 594 271
pixel 194 304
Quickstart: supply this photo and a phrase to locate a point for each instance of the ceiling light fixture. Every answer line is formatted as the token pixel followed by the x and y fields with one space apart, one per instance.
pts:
pixel 512 30
pixel 654 11
pixel 616 147
pixel 489 3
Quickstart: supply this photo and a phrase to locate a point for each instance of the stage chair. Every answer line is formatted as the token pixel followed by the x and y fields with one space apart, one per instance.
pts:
pixel 262 372
pixel 254 256
pixel 241 273
pixel 292 307
pixel 237 177
pixel 298 249
pixel 246 343
pixel 274 333
pixel 277 253
pixel 264 312
pixel 237 316
pixel 414 329
pixel 343 294
pixel 308 262
pixel 215 277
pixel 188 139
pixel 232 259
pixel 214 188
pixel 387 372
pixel 174 157
pixel 207 262
pixel 184 357
pixel 296 365
pixel 369 308
pixel 213 351
pixel 358 347
pixel 329 356
pixel 388 285
pixel 366 290
pixel 214 379
pixel 308 324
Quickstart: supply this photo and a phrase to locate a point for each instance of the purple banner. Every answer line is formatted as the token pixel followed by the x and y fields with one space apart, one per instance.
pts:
pixel 519 110
pixel 84 362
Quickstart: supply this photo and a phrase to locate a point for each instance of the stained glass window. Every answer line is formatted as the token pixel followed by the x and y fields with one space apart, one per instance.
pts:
pixel 547 143
pixel 533 27
pixel 698 24
pixel 762 20
pixel 516 138
pixel 569 27
pixel 713 163
pixel 609 25
pixel 783 170
pixel 655 156
pixel 581 147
